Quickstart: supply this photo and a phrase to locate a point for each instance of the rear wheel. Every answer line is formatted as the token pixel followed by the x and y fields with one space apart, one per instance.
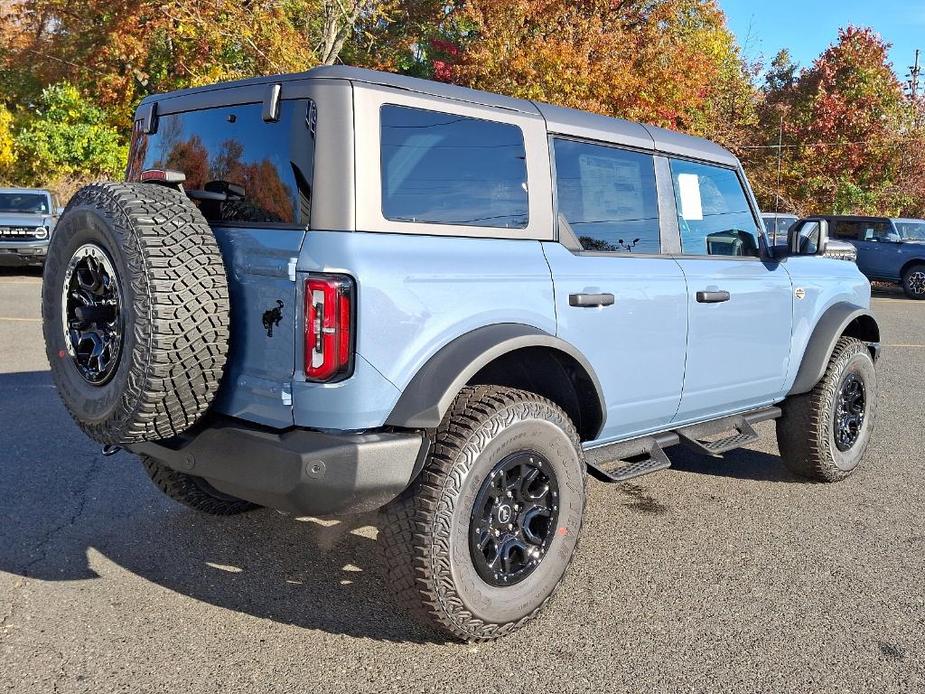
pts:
pixel 193 491
pixel 914 282
pixel 823 434
pixel 480 542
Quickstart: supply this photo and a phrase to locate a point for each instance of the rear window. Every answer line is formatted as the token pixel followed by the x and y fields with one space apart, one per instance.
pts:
pixel 238 168
pixel 442 168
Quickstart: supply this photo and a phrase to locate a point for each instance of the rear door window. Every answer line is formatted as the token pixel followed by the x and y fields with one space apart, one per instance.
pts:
pixel 608 197
pixel 239 169
pixel 442 168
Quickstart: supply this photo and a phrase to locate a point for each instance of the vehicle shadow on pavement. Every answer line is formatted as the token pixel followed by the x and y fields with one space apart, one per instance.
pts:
pixel 742 464
pixel 888 291
pixel 21 272
pixel 69 513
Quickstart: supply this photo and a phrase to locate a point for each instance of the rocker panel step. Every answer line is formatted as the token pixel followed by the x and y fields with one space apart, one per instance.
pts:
pixel 656 460
pixel 744 434
pixel 604 461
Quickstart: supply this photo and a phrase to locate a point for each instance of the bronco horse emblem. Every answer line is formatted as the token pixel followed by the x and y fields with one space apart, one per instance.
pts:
pixel 272 317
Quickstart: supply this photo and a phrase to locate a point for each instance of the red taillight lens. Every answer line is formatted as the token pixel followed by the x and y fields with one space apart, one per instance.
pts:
pixel 329 301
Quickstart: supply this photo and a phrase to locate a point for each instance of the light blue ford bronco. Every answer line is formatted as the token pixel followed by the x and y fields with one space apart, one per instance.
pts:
pixel 344 290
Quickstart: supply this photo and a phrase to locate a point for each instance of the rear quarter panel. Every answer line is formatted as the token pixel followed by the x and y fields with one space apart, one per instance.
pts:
pixel 415 294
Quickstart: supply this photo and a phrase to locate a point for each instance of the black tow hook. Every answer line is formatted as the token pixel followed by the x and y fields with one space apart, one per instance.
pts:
pixel 109 449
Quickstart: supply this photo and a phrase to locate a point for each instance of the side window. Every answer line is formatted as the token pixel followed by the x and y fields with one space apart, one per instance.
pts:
pixel 442 168
pixel 608 197
pixel 238 168
pixel 713 211
pixel 844 230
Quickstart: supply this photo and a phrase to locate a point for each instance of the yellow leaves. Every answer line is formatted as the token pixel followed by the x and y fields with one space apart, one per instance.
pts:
pixel 7 150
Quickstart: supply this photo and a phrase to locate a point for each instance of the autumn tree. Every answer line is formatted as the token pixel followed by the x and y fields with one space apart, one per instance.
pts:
pixel 117 51
pixel 668 62
pixel 845 127
pixel 67 137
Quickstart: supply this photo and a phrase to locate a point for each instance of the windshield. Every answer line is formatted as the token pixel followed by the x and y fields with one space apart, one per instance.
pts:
pixel 28 203
pixel 914 231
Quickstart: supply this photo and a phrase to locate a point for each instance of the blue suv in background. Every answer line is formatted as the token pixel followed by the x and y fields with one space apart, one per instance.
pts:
pixel 889 250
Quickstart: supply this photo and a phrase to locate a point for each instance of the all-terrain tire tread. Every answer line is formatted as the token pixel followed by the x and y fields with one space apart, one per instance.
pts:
pixel 182 311
pixel 803 429
pixel 193 491
pixel 415 536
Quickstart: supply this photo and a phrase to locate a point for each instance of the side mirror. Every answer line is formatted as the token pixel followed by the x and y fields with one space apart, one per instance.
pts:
pixel 809 237
pixel 59 211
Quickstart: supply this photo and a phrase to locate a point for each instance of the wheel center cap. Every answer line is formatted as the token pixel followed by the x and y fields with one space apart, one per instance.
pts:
pixel 504 514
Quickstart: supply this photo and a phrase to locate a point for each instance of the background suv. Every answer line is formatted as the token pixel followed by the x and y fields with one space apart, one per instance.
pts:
pixel 889 250
pixel 27 217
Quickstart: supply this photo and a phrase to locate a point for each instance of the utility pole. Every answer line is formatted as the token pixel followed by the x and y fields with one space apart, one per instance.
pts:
pixel 915 72
pixel 780 158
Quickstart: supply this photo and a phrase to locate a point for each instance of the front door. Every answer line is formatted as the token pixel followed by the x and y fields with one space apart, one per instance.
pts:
pixel 740 305
pixel 877 244
pixel 618 298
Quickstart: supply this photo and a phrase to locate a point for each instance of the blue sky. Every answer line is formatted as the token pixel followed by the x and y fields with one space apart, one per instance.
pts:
pixel 807 27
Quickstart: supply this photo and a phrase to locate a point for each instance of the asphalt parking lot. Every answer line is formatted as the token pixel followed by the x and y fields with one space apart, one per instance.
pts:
pixel 716 575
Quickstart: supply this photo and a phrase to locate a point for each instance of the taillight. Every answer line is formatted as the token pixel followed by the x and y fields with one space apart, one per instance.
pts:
pixel 329 304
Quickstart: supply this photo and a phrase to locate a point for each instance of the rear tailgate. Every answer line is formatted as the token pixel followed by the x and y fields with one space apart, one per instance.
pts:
pixel 260 264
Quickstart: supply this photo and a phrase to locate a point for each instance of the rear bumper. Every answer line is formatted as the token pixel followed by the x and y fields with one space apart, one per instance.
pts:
pixel 297 470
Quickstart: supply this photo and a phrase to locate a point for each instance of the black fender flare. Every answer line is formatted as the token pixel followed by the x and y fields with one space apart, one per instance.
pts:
pixel 431 391
pixel 829 328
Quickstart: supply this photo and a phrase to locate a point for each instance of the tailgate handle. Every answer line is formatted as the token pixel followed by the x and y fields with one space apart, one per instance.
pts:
pixel 590 300
pixel 712 297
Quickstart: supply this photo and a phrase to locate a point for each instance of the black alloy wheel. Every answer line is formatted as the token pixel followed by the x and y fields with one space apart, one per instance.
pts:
pixel 92 318
pixel 514 519
pixel 850 406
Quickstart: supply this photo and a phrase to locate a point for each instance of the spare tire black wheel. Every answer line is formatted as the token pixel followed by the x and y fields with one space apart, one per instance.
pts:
pixel 135 312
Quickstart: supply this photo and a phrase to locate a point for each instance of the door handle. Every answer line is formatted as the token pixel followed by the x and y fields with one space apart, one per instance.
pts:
pixel 717 297
pixel 590 300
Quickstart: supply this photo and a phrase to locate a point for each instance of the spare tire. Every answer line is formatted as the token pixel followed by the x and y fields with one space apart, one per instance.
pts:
pixel 135 312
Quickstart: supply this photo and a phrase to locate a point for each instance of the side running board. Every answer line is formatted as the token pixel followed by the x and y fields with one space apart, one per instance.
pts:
pixel 625 460
pixel 744 435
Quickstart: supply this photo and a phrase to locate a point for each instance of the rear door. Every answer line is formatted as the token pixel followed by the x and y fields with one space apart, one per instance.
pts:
pixel 619 298
pixel 739 304
pixel 249 177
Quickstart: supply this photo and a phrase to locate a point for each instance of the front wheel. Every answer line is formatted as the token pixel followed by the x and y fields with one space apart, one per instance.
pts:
pixel 914 282
pixel 823 434
pixel 481 541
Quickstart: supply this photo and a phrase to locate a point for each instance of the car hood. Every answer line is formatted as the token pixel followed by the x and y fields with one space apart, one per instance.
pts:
pixel 24 220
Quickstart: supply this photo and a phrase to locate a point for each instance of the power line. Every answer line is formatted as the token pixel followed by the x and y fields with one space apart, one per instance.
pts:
pixel 823 144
